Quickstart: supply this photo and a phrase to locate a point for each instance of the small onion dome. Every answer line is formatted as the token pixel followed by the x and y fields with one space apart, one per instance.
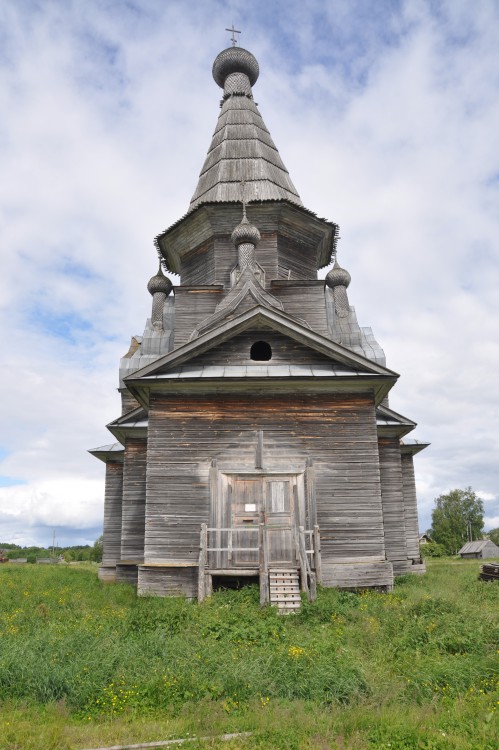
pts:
pixel 245 233
pixel 235 60
pixel 338 276
pixel 160 283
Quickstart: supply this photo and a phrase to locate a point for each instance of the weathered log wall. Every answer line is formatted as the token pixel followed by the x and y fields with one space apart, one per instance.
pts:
pixel 410 507
pixel 192 307
pixel 186 433
pixel 133 510
pixel 393 504
pixel 111 547
pixel 128 402
pixel 304 301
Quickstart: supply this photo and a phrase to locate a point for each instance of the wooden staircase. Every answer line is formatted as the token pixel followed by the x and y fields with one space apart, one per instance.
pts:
pixel 280 586
pixel 285 589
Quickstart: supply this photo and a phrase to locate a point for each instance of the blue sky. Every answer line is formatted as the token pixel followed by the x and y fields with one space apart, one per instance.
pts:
pixel 386 115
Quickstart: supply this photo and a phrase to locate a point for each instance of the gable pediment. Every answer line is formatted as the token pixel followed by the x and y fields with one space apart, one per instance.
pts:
pixel 224 353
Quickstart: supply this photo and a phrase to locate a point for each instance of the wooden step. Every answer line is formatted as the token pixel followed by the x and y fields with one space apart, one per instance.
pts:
pixel 284 586
pixel 286 599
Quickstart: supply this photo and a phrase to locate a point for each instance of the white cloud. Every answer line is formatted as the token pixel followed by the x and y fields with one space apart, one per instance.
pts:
pixel 486 496
pixel 66 501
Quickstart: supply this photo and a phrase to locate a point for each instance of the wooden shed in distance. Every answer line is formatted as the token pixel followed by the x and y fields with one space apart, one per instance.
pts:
pixel 256 440
pixel 479 550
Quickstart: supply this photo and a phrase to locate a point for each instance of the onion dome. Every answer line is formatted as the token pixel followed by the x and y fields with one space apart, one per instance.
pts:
pixel 235 60
pixel 245 233
pixel 160 283
pixel 338 276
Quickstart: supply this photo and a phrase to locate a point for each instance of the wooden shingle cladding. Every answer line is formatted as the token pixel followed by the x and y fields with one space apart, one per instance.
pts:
pixel 133 509
pixel 242 149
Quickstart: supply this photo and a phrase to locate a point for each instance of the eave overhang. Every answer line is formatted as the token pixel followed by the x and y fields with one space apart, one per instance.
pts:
pixel 133 424
pixel 412 446
pixel 208 220
pixel 109 453
pixel 142 389
pixel 391 424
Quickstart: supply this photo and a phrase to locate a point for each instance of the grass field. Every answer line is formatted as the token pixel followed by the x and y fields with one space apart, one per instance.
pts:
pixel 84 665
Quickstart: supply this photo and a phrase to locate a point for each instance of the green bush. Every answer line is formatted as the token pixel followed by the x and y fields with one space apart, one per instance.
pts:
pixel 432 549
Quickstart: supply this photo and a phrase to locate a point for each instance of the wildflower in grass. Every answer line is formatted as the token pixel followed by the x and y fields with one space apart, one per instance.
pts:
pixel 231 705
pixel 296 652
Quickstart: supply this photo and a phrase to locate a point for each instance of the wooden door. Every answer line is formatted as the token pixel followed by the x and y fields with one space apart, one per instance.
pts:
pixel 246 506
pixel 279 520
pixel 241 503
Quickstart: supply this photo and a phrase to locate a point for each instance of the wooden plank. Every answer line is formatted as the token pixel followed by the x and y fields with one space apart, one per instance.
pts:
pixel 263 568
pixel 317 553
pixel 203 543
pixel 303 561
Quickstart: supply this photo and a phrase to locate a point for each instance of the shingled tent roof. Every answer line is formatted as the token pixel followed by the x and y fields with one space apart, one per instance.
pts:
pixel 242 148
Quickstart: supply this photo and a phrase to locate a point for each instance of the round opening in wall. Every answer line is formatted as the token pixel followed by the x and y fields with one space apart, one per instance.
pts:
pixel 261 351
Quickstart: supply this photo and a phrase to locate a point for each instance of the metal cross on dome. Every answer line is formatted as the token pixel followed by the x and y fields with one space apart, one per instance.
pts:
pixel 233 38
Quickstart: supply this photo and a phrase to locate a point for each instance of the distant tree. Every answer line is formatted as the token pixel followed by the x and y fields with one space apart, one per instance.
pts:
pixel 96 551
pixel 494 536
pixel 456 516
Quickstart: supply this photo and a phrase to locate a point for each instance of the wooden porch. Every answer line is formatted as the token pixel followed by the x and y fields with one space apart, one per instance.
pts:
pixel 222 549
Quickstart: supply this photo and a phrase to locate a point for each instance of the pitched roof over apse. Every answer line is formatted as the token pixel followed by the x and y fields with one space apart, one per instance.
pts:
pixel 242 149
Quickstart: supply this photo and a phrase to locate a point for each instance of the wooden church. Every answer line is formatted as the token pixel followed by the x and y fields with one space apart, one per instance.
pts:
pixel 256 440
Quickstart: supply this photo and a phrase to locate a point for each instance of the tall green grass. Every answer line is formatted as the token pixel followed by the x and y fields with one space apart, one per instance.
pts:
pixel 99 654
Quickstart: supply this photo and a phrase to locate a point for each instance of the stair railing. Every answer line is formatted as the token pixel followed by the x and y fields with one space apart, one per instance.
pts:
pixel 263 564
pixel 317 553
pixel 203 556
pixel 307 577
